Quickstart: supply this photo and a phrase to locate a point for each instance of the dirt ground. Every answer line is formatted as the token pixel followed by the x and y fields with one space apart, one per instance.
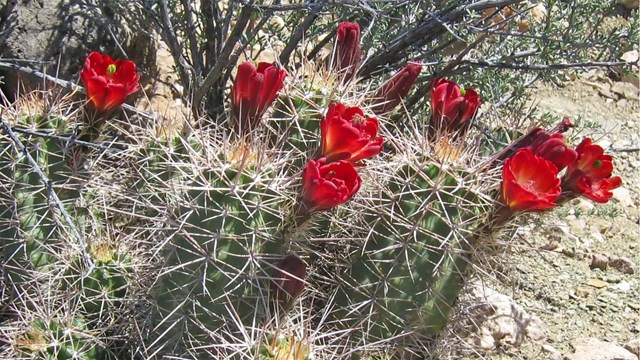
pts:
pixel 549 274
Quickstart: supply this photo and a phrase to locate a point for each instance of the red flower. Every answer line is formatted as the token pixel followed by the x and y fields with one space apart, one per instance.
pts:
pixel 325 186
pixel 349 135
pixel 529 182
pixel 395 89
pixel 108 82
pixel 347 54
pixel 288 280
pixel 590 174
pixel 452 108
pixel 254 90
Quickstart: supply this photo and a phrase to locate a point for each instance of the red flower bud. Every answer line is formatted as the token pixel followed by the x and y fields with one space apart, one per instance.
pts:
pixel 549 145
pixel 590 174
pixel 108 82
pixel 554 149
pixel 288 280
pixel 325 186
pixel 347 53
pixel 349 135
pixel 395 89
pixel 529 182
pixel 452 108
pixel 254 90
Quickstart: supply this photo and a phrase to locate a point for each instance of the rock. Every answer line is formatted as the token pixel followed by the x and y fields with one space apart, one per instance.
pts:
pixel 550 245
pixel 633 347
pixel 539 12
pixel 631 56
pixel 623 196
pixel 594 349
pixel 554 354
pixel 55 36
pixel 499 321
pixel 625 90
pixel 584 206
pixel 597 283
pixel 599 261
pixel 623 286
pixel 623 264
pixel 582 292
pixel 630 4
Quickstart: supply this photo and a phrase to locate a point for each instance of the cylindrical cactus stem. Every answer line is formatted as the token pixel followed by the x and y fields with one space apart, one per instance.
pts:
pixel 220 249
pixel 412 268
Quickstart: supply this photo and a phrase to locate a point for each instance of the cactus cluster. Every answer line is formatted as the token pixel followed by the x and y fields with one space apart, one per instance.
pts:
pixel 316 225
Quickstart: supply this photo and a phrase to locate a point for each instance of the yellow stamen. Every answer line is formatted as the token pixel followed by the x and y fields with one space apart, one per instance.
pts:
pixel 111 69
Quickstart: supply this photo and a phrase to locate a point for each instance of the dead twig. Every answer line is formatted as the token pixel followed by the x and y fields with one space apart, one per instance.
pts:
pixel 53 197
pixel 223 59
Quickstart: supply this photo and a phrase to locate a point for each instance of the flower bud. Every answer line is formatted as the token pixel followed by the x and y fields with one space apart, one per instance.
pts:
pixel 389 96
pixel 288 279
pixel 452 108
pixel 325 186
pixel 254 90
pixel 346 59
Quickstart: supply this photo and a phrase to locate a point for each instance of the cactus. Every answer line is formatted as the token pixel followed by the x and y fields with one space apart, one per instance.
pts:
pixel 218 241
pixel 67 279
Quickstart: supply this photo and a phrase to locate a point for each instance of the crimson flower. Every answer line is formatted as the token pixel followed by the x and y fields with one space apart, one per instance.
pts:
pixel 254 90
pixel 395 89
pixel 529 182
pixel 325 186
pixel 590 174
pixel 288 280
pixel 347 54
pixel 452 108
pixel 108 82
pixel 347 134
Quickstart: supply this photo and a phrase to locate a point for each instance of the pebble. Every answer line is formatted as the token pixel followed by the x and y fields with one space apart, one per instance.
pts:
pixel 582 292
pixel 623 196
pixel 554 354
pixel 633 346
pixel 599 261
pixel 597 283
pixel 625 90
pixel 623 286
pixel 594 349
pixel 623 264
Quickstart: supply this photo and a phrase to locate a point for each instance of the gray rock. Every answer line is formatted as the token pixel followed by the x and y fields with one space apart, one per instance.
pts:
pixel 500 321
pixel 553 353
pixel 55 36
pixel 594 349
pixel 625 90
pixel 633 347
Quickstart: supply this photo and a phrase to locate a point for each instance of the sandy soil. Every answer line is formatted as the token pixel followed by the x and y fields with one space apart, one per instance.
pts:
pixel 549 274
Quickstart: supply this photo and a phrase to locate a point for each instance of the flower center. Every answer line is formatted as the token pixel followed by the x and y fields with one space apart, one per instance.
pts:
pixel 463 91
pixel 111 69
pixel 358 119
pixel 597 163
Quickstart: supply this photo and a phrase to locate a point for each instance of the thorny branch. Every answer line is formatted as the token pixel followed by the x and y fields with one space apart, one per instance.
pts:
pixel 223 60
pixel 53 197
pixel 424 33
